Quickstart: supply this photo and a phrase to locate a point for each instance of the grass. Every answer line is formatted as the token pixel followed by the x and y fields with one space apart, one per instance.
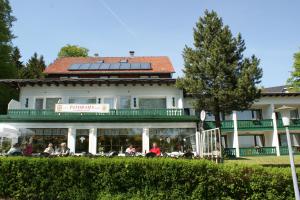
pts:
pixel 265 160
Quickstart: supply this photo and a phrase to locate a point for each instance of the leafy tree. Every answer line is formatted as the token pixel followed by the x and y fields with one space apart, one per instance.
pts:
pixel 73 51
pixel 216 73
pixel 16 56
pixel 7 68
pixel 34 67
pixel 294 81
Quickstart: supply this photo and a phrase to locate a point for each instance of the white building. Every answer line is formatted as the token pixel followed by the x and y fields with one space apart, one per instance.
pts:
pixel 145 107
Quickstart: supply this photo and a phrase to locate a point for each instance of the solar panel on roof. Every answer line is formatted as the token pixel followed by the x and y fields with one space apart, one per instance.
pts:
pixel 95 66
pixel 115 66
pixel 135 66
pixel 109 66
pixel 74 66
pixel 104 66
pixel 125 66
pixel 145 66
pixel 84 66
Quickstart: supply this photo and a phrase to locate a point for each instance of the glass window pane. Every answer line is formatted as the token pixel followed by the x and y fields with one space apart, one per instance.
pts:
pixel 124 103
pixel 110 101
pixel 151 103
pixel 173 139
pixel 82 100
pixel 50 102
pixel 119 139
pixel 41 137
pixel 39 104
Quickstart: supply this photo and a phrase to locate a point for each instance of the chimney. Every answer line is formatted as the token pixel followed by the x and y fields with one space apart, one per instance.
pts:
pixel 131 53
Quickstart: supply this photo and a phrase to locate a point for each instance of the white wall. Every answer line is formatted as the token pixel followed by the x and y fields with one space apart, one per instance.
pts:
pixel 64 92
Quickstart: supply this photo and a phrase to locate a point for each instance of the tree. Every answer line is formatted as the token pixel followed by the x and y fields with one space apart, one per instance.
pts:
pixel 294 81
pixel 7 68
pixel 73 51
pixel 216 74
pixel 16 56
pixel 34 67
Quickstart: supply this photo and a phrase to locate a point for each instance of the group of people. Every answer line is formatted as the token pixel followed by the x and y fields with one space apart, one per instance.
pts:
pixel 27 149
pixel 154 151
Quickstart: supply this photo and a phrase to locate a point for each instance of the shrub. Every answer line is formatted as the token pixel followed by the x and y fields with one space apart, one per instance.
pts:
pixel 139 178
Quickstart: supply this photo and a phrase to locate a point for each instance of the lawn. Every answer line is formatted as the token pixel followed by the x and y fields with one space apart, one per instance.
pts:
pixel 265 160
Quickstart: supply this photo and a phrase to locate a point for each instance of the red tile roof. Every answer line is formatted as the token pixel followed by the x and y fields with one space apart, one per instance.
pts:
pixel 159 64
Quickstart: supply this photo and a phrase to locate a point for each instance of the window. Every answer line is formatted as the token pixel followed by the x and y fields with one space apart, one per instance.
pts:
pixel 41 137
pixel 110 101
pixel 173 102
pixel 26 103
pixel 124 102
pixel 82 100
pixel 152 103
pixel 50 102
pixel 134 102
pixel 294 114
pixel 99 100
pixel 119 139
pixel 144 76
pixel 39 104
pixel 173 139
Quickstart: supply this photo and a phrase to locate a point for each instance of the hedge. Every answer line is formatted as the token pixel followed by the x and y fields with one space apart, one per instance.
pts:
pixel 139 178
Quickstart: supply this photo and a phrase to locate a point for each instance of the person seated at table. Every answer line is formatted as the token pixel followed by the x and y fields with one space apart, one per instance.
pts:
pixel 63 150
pixel 130 150
pixel 49 150
pixel 155 149
pixel 15 150
pixel 28 149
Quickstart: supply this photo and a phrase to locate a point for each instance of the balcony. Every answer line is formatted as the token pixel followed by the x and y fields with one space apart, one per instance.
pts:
pixel 284 150
pixel 247 125
pixel 115 115
pixel 259 151
pixel 294 124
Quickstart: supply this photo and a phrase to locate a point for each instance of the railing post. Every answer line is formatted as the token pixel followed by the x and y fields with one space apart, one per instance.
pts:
pixel 235 134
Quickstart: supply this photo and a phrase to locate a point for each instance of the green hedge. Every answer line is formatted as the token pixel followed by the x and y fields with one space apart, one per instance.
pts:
pixel 139 178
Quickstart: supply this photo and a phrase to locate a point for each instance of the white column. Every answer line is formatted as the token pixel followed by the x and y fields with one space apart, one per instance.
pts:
pixel 275 140
pixel 93 141
pixel 180 103
pixel 71 139
pixel 198 143
pixel 235 134
pixel 146 140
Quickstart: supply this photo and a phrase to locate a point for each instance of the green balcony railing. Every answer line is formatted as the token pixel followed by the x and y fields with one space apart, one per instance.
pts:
pixel 294 124
pixel 264 124
pixel 284 150
pixel 230 152
pixel 227 125
pixel 260 151
pixel 113 115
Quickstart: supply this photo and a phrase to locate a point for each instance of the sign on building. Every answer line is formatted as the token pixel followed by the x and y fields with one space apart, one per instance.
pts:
pixel 82 108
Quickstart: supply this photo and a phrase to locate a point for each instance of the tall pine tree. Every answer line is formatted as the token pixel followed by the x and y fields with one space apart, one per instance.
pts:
pixel 16 56
pixel 294 81
pixel 216 74
pixel 7 68
pixel 34 67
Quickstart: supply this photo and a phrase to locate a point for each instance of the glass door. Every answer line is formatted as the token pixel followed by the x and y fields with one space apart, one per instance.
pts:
pixel 82 141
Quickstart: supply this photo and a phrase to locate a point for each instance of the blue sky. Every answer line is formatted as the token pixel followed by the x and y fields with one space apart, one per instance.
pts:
pixel 113 27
